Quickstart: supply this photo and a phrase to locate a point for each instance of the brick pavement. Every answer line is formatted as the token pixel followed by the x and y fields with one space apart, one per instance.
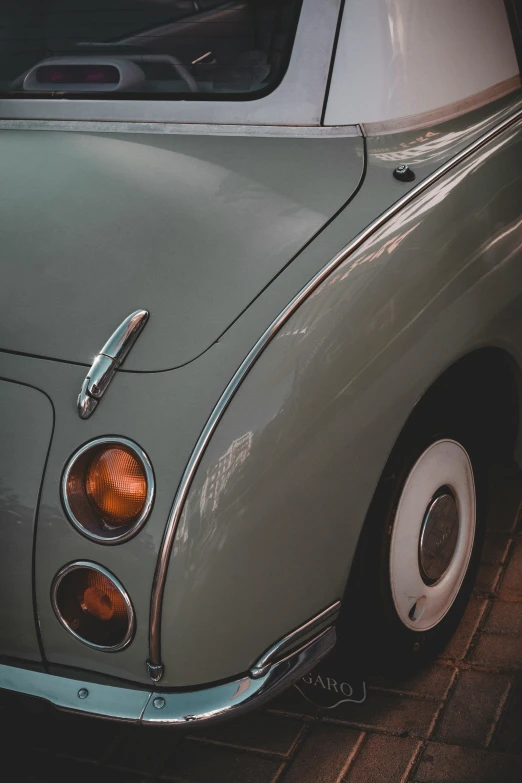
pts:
pixel 459 721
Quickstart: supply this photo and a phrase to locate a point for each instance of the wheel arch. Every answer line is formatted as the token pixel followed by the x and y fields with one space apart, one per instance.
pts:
pixel 483 386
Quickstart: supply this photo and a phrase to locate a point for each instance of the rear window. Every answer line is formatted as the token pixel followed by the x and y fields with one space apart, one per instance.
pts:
pixel 179 49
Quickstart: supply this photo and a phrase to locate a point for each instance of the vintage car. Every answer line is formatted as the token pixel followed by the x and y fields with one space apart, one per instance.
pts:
pixel 260 339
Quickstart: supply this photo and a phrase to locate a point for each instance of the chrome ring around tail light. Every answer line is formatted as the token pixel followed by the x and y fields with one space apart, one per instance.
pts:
pixel 86 520
pixel 85 565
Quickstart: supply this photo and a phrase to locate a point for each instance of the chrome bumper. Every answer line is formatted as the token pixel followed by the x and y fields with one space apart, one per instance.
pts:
pixel 176 708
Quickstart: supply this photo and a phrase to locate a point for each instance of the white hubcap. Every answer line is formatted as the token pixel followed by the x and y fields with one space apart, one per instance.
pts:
pixel 433 534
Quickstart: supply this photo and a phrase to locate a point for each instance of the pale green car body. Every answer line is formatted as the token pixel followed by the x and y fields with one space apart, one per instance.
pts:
pixel 349 292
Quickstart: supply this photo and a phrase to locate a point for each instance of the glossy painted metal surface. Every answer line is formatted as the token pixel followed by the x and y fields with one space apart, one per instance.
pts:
pixel 165 412
pixel 110 359
pixel 412 59
pixel 161 412
pixel 298 100
pixel 189 228
pixel 444 113
pixel 300 439
pixel 26 426
pixel 240 448
pixel 127 703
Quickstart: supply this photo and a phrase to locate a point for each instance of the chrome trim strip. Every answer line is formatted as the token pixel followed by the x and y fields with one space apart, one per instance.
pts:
pixel 292 640
pixel 232 699
pixel 187 129
pixel 117 538
pixel 128 703
pixel 130 609
pixel 108 701
pixel 192 465
pixel 444 113
pixel 109 359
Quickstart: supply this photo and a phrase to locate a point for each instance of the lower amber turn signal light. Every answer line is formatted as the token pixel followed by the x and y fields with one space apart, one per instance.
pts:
pixel 93 606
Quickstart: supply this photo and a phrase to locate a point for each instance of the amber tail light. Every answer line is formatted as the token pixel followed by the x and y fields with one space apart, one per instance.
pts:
pixel 108 489
pixel 93 606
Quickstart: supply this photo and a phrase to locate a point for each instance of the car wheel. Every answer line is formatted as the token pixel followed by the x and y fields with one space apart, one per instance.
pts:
pixel 418 559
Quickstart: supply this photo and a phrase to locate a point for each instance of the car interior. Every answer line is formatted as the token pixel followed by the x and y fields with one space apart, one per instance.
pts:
pixel 180 46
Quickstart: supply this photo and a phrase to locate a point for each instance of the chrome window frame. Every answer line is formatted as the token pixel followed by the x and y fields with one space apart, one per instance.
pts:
pixel 297 100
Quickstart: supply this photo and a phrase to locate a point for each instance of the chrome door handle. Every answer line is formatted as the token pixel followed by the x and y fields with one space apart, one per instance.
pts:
pixel 108 360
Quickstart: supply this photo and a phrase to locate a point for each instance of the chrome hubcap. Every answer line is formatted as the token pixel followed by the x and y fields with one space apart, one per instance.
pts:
pixel 439 535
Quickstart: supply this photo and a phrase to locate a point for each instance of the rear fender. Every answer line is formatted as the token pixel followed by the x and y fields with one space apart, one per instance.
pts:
pixel 274 513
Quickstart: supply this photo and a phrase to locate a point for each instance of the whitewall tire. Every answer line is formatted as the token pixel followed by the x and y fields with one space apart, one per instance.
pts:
pixel 420 549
